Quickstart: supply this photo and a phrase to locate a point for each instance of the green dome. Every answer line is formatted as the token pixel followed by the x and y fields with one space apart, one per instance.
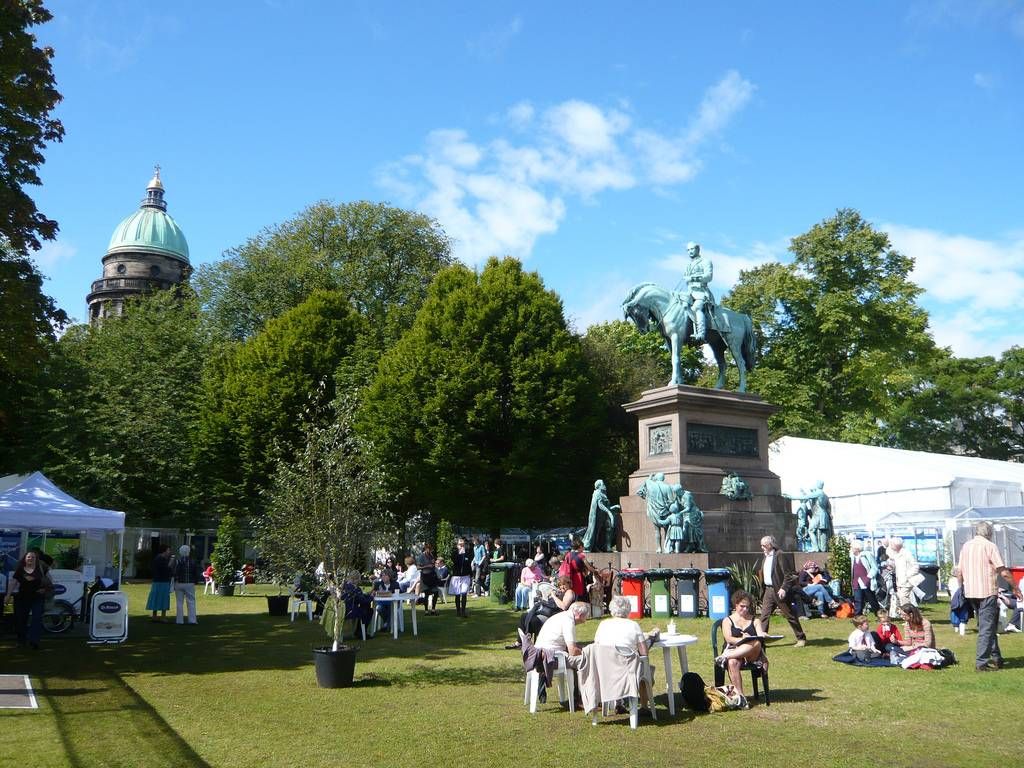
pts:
pixel 150 229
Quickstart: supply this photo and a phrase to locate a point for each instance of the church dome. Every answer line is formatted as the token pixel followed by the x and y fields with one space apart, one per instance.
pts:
pixel 150 229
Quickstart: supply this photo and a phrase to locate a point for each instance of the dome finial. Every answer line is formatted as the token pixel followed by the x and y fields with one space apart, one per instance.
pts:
pixel 155 191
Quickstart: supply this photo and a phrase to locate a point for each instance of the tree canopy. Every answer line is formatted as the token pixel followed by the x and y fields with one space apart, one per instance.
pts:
pixel 28 93
pixel 123 401
pixel 254 392
pixel 485 410
pixel 840 331
pixel 380 258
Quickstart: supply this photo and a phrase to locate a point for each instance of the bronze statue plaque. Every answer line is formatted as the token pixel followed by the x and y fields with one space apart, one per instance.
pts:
pixel 714 440
pixel 660 440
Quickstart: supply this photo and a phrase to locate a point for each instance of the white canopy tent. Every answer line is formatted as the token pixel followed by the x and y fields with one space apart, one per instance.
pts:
pixel 877 488
pixel 34 503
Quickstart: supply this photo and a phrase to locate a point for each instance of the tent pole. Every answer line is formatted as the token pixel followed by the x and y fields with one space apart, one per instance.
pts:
pixel 120 556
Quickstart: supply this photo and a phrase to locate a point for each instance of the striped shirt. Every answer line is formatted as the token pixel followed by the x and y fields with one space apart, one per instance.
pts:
pixel 979 560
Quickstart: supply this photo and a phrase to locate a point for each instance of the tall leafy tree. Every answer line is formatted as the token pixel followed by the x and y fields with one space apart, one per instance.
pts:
pixel 380 258
pixel 255 391
pixel 840 330
pixel 1011 385
pixel 124 400
pixel 28 323
pixel 28 93
pixel 485 410
pixel 954 406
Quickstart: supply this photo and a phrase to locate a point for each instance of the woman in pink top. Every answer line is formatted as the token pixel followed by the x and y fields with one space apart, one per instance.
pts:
pixel 529 576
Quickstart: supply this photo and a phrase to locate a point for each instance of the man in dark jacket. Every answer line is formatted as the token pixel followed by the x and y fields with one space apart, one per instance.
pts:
pixel 777 575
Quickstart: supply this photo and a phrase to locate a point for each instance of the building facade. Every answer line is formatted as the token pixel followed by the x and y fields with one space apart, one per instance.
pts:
pixel 147 252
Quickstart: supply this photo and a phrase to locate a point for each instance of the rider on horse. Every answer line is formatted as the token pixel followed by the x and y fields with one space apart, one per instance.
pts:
pixel 698 296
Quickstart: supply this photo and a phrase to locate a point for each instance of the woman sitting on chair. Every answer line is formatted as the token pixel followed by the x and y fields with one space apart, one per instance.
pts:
pixel 738 629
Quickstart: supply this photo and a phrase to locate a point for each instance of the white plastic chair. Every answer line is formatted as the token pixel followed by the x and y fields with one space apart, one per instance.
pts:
pixel 444 588
pixel 210 587
pixel 560 677
pixel 644 674
pixel 299 600
pixel 239 582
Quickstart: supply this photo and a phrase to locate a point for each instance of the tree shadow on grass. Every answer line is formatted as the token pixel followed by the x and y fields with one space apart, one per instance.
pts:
pixel 112 707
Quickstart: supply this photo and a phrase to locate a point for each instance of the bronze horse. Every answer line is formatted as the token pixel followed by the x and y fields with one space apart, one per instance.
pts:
pixel 649 304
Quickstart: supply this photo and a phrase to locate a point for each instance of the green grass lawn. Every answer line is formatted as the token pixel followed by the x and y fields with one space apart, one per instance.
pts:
pixel 239 690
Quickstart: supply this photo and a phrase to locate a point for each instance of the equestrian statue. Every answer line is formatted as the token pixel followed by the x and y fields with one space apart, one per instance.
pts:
pixel 691 316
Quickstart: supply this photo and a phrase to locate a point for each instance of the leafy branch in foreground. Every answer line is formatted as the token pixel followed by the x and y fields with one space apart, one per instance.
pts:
pixel 323 506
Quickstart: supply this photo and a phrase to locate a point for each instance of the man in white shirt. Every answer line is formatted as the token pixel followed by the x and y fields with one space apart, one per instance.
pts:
pixel 907 572
pixel 778 579
pixel 559 632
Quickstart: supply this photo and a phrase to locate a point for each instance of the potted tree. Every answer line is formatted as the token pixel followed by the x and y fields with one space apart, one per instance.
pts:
pixel 225 557
pixel 322 505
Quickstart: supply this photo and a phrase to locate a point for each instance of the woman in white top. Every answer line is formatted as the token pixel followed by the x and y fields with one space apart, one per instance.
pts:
pixel 410 576
pixel 620 631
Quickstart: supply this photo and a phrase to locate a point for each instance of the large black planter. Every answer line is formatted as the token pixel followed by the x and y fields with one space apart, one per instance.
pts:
pixel 335 669
pixel 226 590
pixel 277 605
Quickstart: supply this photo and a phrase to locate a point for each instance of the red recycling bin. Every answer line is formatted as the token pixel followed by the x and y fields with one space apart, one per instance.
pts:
pixel 1018 574
pixel 632 588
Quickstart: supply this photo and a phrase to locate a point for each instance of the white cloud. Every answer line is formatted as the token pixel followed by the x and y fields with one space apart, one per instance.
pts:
pixel 520 115
pixel 494 41
pixel 973 287
pixel 53 254
pixel 984 80
pixel 497 197
pixel 722 101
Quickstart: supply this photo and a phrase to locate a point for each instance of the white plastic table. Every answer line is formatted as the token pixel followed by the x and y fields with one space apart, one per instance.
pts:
pixel 396 609
pixel 666 643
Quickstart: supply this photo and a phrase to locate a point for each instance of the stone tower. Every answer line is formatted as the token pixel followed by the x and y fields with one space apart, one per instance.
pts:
pixel 147 251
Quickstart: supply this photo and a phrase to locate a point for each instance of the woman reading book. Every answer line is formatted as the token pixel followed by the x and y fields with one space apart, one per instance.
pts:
pixel 744 639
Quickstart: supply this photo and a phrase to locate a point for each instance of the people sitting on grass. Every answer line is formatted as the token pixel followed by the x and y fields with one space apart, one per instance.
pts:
pixel 887 633
pixel 814 584
pixel 529 576
pixel 917 630
pixel 741 633
pixel 1009 595
pixel 862 639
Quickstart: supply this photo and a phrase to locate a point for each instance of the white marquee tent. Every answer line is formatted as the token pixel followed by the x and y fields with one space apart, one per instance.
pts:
pixel 34 503
pixel 876 488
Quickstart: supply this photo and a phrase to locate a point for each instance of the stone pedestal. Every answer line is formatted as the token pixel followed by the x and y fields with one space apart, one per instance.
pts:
pixel 696 437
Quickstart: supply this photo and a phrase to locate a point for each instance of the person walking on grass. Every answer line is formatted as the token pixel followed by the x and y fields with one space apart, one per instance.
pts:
pixel 778 580
pixel 186 574
pixel 980 562
pixel 462 576
pixel 160 591
pixel 34 584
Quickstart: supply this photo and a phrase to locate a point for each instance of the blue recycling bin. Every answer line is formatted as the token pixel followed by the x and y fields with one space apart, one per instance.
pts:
pixel 717 580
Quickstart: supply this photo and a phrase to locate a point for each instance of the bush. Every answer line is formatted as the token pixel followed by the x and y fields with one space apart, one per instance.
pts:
pixel 839 563
pixel 225 557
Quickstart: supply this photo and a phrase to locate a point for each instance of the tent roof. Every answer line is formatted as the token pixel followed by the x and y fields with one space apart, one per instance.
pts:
pixel 33 501
pixel 849 469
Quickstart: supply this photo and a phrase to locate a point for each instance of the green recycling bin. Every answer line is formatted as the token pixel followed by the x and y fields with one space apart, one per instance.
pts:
pixel 498 588
pixel 661 594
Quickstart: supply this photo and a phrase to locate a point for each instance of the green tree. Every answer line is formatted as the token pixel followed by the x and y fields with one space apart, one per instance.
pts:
pixel 485 410
pixel 623 363
pixel 28 94
pixel 955 405
pixel 380 258
pixel 840 333
pixel 324 504
pixel 28 319
pixel 123 404
pixel 254 392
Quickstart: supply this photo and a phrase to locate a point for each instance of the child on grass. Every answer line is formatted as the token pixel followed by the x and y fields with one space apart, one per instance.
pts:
pixel 887 632
pixel 862 641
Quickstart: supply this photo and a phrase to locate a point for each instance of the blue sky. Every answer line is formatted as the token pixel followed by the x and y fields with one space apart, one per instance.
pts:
pixel 592 140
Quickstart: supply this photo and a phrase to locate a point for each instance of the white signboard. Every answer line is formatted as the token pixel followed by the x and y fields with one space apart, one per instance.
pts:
pixel 686 604
pixel 661 603
pixel 108 622
pixel 634 603
pixel 718 605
